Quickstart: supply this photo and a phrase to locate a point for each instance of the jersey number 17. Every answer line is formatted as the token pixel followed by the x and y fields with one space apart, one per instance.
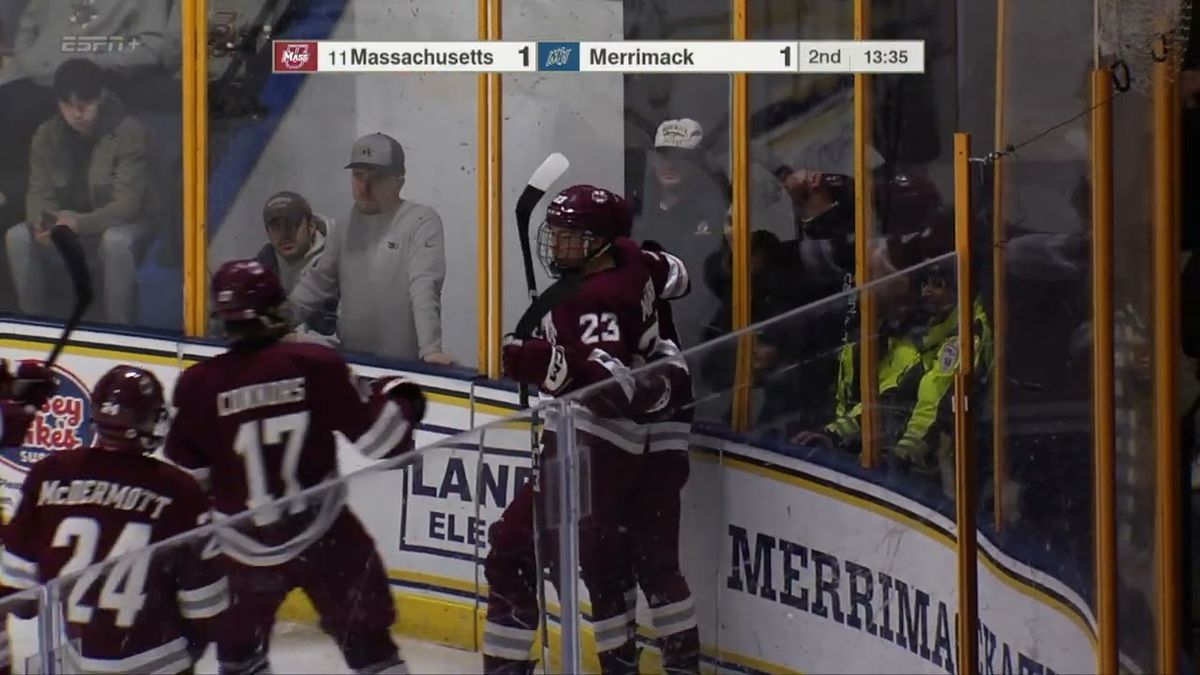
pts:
pixel 287 430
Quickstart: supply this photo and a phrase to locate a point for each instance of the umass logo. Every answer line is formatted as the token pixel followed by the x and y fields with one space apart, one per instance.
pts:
pixel 63 422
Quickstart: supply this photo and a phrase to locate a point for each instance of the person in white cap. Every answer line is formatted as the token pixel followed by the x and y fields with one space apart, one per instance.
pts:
pixel 387 264
pixel 685 213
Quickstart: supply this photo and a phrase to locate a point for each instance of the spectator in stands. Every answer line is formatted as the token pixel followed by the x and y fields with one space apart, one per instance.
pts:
pixel 296 239
pixel 685 212
pixel 387 263
pixel 823 201
pixel 126 39
pixel 918 344
pixel 88 172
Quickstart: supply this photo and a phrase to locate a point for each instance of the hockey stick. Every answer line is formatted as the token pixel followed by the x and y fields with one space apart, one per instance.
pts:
pixel 67 243
pixel 550 170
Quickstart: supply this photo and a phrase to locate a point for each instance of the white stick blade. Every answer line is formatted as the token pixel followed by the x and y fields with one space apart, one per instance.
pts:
pixel 550 170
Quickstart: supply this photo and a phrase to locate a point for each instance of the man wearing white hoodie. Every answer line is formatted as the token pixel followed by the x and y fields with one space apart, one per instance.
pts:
pixel 296 241
pixel 387 263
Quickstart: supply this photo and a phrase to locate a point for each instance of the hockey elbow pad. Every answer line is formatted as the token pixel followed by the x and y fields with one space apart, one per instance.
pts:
pixel 614 394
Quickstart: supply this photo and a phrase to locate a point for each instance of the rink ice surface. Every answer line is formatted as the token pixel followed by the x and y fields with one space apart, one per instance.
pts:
pixel 295 648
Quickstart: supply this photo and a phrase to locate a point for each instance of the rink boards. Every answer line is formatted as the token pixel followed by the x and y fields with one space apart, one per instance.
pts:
pixel 795 566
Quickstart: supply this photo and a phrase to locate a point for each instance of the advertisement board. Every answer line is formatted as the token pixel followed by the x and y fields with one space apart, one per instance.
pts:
pixel 795 567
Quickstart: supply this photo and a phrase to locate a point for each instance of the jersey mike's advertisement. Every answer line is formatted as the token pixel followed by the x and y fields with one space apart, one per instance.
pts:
pixel 61 424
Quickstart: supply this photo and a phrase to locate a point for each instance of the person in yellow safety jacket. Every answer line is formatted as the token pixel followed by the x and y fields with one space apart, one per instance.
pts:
pixel 916 376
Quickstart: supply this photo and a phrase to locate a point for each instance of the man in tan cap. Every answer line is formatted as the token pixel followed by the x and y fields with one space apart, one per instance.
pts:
pixel 387 263
pixel 296 240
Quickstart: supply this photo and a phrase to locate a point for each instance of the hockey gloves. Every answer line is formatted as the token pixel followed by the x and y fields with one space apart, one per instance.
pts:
pixel 407 395
pixel 34 384
pixel 24 395
pixel 535 361
pixel 663 390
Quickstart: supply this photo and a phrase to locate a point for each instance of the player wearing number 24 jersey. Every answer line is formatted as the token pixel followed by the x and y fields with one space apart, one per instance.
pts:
pixel 153 611
pixel 256 426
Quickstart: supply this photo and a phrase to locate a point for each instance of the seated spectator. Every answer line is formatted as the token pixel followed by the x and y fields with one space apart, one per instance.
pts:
pixel 918 344
pixel 88 172
pixel 388 263
pixel 296 240
pixel 128 39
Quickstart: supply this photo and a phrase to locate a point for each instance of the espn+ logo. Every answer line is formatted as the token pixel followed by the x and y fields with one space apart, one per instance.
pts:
pixel 84 44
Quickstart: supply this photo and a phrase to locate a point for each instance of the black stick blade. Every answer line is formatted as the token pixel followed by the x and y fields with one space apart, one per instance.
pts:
pixel 67 243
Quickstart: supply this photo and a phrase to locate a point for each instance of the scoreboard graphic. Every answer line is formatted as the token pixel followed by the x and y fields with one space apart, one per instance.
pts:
pixel 629 56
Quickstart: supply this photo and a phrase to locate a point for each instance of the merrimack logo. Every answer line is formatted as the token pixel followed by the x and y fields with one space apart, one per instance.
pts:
pixel 62 423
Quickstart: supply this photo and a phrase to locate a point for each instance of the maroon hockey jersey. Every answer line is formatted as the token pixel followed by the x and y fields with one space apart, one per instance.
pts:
pixel 255 425
pixel 611 323
pixel 86 506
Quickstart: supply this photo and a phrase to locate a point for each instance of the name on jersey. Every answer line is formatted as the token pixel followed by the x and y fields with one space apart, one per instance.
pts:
pixel 279 392
pixel 102 493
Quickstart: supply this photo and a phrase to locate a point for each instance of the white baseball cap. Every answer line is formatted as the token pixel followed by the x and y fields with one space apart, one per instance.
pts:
pixel 684 134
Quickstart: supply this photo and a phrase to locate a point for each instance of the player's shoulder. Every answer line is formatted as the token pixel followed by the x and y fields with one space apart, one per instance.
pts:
pixel 628 247
pixel 283 352
pixel 309 354
pixel 174 480
pixel 61 461
pixel 202 372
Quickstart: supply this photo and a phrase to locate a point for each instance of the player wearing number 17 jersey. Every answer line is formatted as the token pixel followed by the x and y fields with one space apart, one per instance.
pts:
pixel 256 426
pixel 152 612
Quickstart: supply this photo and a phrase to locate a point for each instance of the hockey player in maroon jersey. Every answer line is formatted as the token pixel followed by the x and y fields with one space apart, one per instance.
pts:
pixel 652 519
pixel 256 425
pixel 147 613
pixel 591 336
pixel 21 395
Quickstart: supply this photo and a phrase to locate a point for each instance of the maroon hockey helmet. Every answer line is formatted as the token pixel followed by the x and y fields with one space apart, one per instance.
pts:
pixel 581 222
pixel 245 290
pixel 128 410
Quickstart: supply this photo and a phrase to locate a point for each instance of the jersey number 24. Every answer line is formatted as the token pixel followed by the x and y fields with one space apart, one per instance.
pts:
pixel 124 589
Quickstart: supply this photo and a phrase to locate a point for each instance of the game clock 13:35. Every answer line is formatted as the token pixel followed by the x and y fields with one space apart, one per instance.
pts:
pixel 886 57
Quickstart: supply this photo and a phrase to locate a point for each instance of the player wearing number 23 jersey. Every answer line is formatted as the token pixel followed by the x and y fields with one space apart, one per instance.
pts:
pixel 153 611
pixel 595 334
pixel 256 426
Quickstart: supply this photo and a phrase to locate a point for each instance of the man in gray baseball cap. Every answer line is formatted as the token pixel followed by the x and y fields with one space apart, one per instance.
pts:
pixel 377 150
pixel 388 263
